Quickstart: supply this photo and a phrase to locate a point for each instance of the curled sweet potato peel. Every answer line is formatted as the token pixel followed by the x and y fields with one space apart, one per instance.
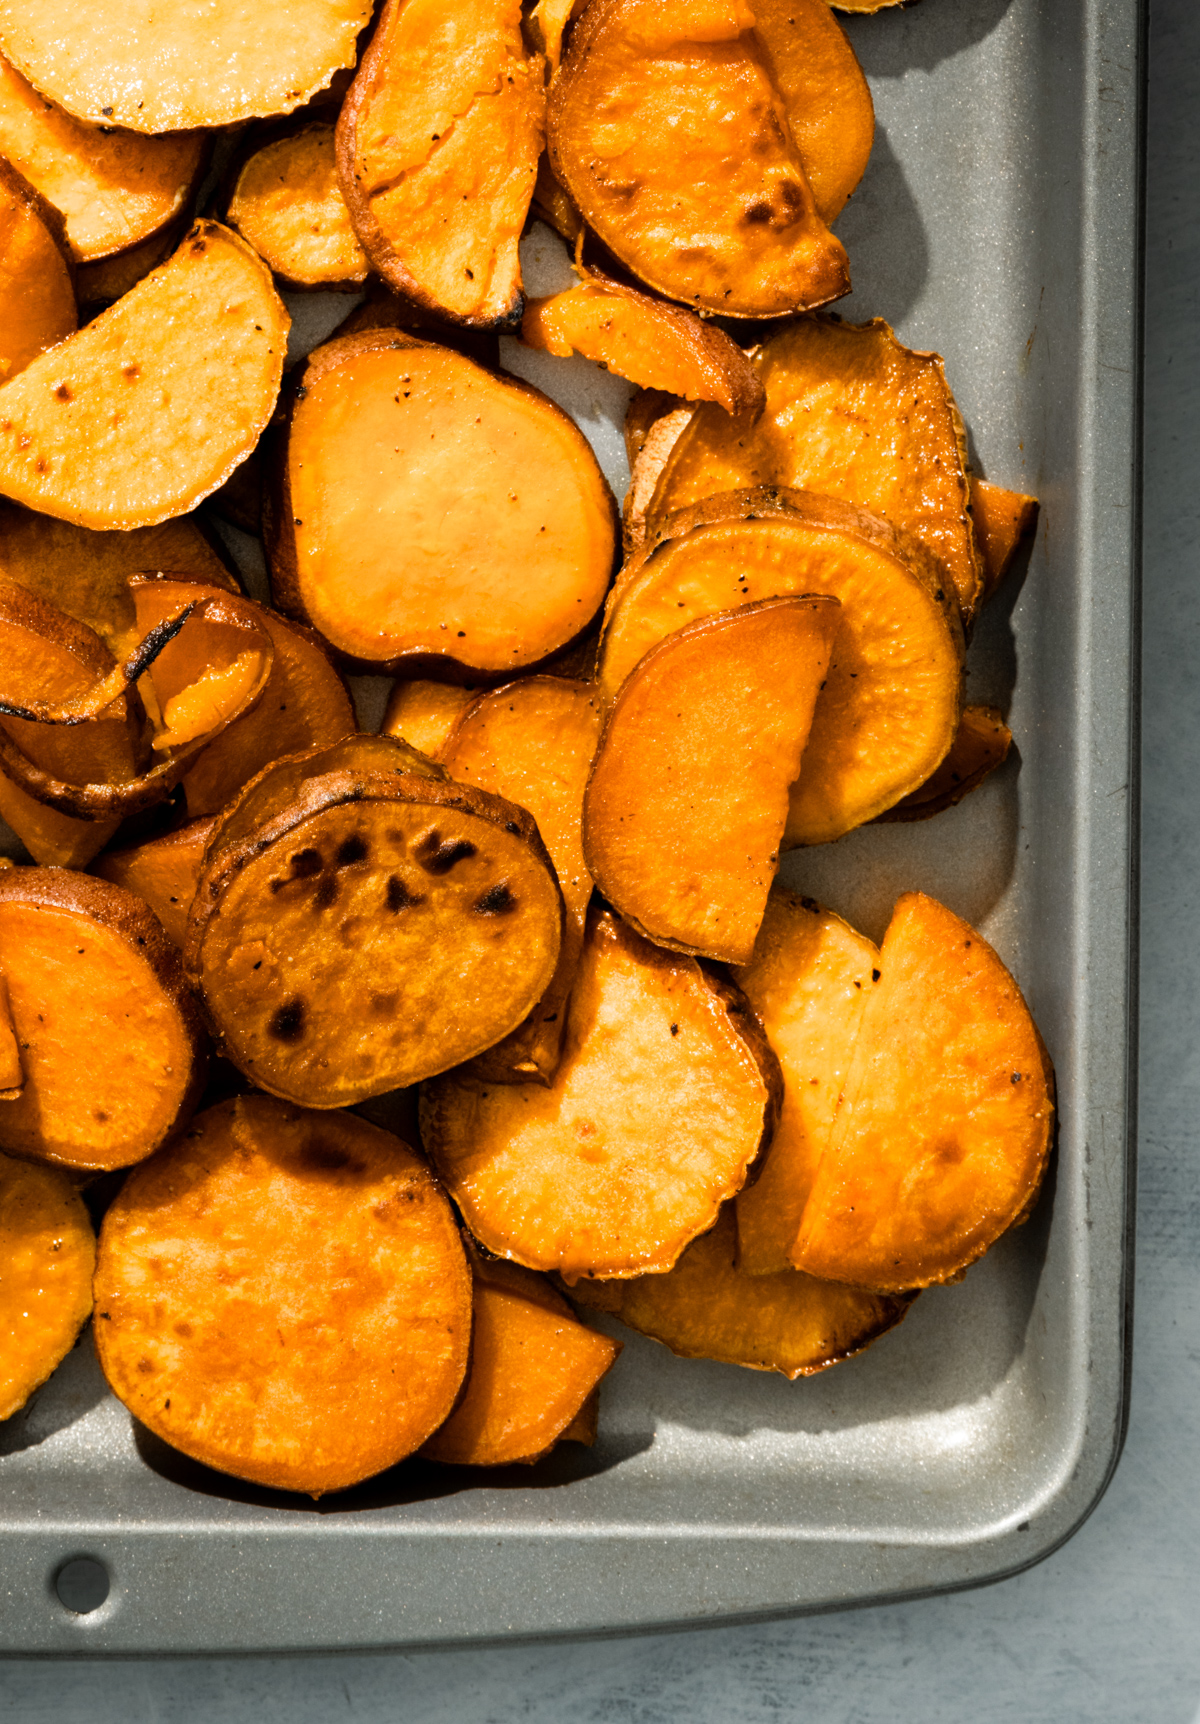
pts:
pixel 35 276
pixel 48 1251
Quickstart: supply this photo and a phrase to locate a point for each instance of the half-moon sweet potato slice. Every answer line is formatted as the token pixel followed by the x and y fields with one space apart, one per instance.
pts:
pixel 163 872
pixel 688 796
pixel 382 928
pixel 710 1308
pixel 669 135
pixel 653 344
pixel 534 1367
pixel 37 295
pixel 438 145
pixel 532 742
pixel 152 68
pixel 944 1129
pixel 424 713
pixel 287 202
pixel 665 1094
pixel 483 539
pixel 283 1296
pixel 92 431
pixel 113 189
pixel 852 413
pixel 110 1038
pixel 889 708
pixel 981 745
pixel 1001 519
pixel 48 1251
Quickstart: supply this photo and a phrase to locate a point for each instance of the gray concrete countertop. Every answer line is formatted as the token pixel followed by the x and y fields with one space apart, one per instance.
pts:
pixel 1107 1629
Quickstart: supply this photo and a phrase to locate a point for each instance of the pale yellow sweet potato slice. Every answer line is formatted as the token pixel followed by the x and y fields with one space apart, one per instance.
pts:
pixel 668 133
pixel 708 1307
pixel 889 710
pixel 418 495
pixel 534 1368
pixel 163 872
pixel 424 713
pixel 287 202
pixel 1001 519
pixel 808 980
pixel 532 742
pixel 37 296
pixel 92 432
pixel 653 344
pixel 283 1296
pixel 852 413
pixel 110 1038
pixel 48 1252
pixel 381 928
pixel 944 1129
pixel 438 145
pixel 981 745
pixel 665 1093
pixel 163 69
pixel 688 796
pixel 113 189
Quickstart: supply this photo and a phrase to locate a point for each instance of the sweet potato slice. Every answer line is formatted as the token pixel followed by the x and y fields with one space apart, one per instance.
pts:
pixel 382 928
pixel 665 1093
pixel 1001 519
pixel 92 432
pixel 981 745
pixel 534 1368
pixel 112 188
pixel 668 133
pixel 890 705
pixel 48 1251
pixel 653 344
pixel 424 552
pixel 808 981
pixel 438 144
pixel 100 284
pixel 109 1034
pixel 710 1308
pixel 552 203
pixel 852 413
pixel 283 1296
pixel 548 24
pixel 533 743
pixel 688 795
pixel 653 425
pixel 424 713
pixel 164 69
pixel 287 202
pixel 163 872
pixel 944 1129
pixel 37 296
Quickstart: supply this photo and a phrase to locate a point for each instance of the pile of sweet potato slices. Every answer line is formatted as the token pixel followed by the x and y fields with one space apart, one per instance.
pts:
pixel 643 1078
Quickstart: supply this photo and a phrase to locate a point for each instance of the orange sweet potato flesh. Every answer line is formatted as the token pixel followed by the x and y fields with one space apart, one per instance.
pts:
pixel 48 1251
pixel 1002 519
pixel 708 1307
pixel 163 872
pixel 283 1296
pixel 653 425
pixel 91 432
pixel 382 928
pixel 12 1073
pixel 424 713
pixel 388 551
pixel 665 128
pixel 808 980
pixel 113 189
pixel 688 796
pixel 37 295
pixel 852 413
pixel 287 202
pixel 533 743
pixel 944 1129
pixel 981 745
pixel 110 1038
pixel 151 68
pixel 438 145
pixel 664 1095
pixel 655 345
pixel 889 708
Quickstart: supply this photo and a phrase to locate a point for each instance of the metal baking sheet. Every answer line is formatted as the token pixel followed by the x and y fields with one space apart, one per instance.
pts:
pixel 998 223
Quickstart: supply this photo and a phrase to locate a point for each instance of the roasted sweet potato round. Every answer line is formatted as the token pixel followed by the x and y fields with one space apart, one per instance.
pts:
pixel 424 713
pixel 482 539
pixel 283 1295
pixel 110 1039
pixel 48 1252
pixel 37 297
pixel 287 202
pixel 665 1093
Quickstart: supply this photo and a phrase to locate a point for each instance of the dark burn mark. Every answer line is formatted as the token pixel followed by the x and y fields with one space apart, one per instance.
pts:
pixel 288 1023
pixel 63 393
pixel 306 863
pixel 352 849
pixel 1016 1077
pixel 875 974
pixel 438 857
pixel 496 901
pixel 325 1158
pixel 327 891
pixel 674 1029
pixel 398 895
pixel 511 826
